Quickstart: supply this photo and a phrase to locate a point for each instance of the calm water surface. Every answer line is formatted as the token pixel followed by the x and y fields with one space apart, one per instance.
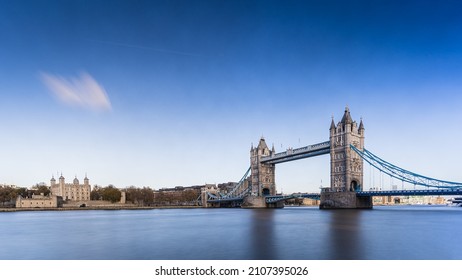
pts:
pixel 398 232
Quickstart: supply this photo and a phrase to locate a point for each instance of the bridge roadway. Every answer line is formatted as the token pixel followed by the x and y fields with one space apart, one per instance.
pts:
pixel 277 198
pixel 437 192
pixel 411 192
pixel 270 198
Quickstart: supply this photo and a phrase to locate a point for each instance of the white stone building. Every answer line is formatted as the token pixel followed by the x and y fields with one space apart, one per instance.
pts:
pixel 74 191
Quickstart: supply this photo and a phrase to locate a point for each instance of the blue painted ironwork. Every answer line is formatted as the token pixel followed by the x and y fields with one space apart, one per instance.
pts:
pixel 402 174
pixel 277 198
pixel 236 194
pixel 433 192
pixel 456 201
pixel 299 153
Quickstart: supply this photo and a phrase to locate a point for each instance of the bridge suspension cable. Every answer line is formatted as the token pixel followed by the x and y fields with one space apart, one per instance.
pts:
pixel 403 174
pixel 238 192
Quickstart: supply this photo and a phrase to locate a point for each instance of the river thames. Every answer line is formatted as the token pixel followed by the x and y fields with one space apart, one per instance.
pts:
pixel 304 233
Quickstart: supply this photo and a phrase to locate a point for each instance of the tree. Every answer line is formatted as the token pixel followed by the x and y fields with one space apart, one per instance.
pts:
pixel 144 196
pixel 39 189
pixel 190 195
pixel 22 192
pixel 147 195
pixel 111 193
pixel 132 194
pixel 7 194
pixel 95 195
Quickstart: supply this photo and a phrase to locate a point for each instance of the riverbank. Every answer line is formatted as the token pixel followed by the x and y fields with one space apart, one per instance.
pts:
pixel 97 208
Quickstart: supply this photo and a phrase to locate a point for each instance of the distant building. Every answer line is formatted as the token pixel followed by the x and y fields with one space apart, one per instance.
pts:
pixel 74 191
pixel 37 201
pixel 408 200
pixel 311 202
pixel 227 187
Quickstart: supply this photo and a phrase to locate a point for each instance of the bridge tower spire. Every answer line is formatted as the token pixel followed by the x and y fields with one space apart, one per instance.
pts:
pixel 346 166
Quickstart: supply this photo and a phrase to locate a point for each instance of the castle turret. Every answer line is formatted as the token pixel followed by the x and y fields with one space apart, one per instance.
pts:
pixel 332 127
pixel 361 127
pixel 61 189
pixel 346 117
pixel 86 182
pixel 76 181
pixel 52 181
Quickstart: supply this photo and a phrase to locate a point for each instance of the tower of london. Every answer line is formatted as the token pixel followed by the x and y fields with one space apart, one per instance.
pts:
pixel 71 191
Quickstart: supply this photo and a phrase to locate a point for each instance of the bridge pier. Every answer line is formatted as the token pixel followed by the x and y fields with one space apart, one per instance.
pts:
pixel 344 200
pixel 259 202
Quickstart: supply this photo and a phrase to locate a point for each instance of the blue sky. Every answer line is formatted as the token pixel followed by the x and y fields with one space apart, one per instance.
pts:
pixel 167 93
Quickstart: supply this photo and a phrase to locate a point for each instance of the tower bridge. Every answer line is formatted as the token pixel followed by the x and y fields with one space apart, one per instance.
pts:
pixel 257 188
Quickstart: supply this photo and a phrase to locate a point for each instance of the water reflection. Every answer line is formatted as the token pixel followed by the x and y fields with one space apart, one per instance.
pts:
pixel 262 234
pixel 221 234
pixel 345 235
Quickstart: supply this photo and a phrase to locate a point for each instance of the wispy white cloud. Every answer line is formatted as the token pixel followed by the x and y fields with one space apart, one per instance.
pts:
pixel 82 91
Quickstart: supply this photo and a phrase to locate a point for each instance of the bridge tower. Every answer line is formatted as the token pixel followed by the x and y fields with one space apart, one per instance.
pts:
pixel 346 166
pixel 262 175
pixel 262 178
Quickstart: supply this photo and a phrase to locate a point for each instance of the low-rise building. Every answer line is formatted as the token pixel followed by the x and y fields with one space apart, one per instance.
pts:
pixel 38 201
